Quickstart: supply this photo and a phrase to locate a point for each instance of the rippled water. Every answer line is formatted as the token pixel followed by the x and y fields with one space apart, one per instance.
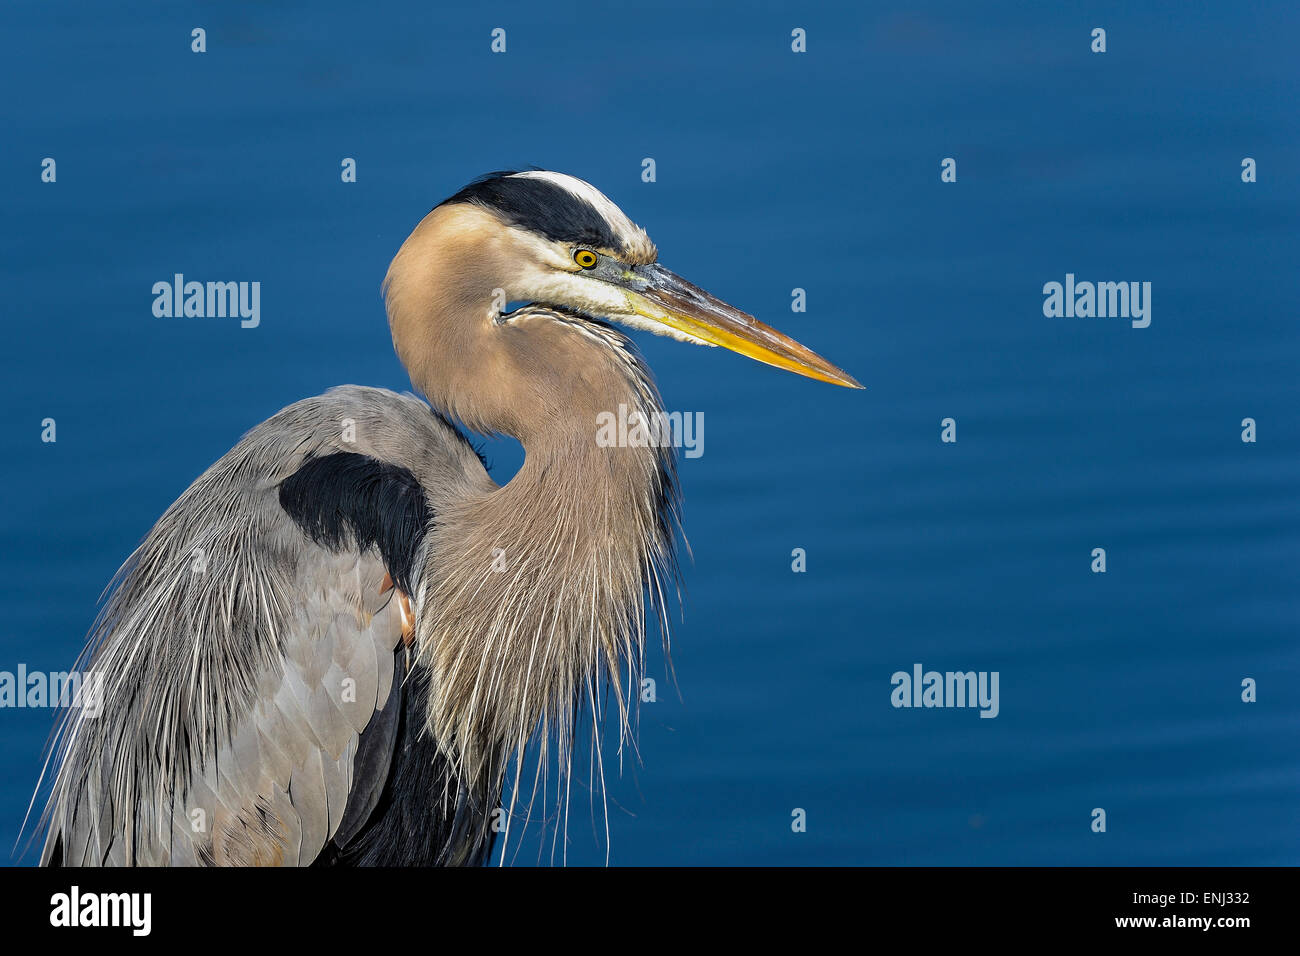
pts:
pixel 775 171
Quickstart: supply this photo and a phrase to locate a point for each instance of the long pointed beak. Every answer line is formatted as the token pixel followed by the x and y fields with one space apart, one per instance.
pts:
pixel 668 299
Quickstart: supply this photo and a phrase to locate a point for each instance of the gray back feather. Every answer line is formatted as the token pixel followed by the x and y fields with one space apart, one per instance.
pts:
pixel 239 662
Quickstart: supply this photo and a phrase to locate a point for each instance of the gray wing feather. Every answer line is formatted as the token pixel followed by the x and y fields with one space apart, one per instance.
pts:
pixel 338 785
pixel 370 766
pixel 307 794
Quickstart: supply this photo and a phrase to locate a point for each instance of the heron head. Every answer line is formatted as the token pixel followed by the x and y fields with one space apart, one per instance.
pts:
pixel 557 241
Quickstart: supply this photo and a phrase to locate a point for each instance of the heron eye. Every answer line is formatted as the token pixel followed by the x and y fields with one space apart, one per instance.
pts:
pixel 585 258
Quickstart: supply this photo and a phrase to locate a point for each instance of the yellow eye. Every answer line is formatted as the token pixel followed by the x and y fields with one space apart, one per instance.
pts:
pixel 585 258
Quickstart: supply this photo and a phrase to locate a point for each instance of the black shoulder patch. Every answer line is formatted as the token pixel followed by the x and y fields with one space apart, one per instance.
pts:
pixel 541 206
pixel 345 497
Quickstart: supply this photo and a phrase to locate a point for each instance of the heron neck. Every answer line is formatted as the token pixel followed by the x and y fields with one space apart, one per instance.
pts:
pixel 538 589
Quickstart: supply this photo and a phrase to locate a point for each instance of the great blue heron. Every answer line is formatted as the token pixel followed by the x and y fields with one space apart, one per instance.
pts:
pixel 335 644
